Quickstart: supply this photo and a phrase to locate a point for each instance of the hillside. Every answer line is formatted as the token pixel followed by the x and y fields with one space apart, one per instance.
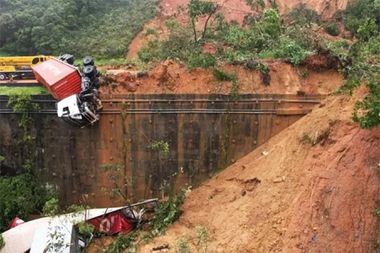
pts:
pixel 312 188
pixel 232 10
pixel 173 77
pixel 99 28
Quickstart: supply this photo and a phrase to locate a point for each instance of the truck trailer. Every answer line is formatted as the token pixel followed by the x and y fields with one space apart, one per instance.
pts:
pixel 75 89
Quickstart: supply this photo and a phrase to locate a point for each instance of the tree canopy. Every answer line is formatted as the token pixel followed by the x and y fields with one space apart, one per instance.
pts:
pixel 97 27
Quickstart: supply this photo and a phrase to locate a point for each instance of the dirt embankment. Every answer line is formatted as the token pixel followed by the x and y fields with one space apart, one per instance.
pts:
pixel 312 188
pixel 326 8
pixel 173 77
pixel 233 10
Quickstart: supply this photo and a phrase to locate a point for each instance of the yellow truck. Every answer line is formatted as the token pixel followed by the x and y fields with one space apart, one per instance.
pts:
pixel 19 67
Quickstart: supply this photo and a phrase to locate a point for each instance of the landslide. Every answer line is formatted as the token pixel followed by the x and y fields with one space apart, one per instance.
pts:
pixel 232 10
pixel 174 77
pixel 312 188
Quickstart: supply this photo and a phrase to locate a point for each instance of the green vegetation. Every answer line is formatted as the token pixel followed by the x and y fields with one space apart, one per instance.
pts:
pixel 360 13
pixel 51 207
pixel 332 28
pixel 197 9
pixel 167 213
pixel 161 146
pixel 265 37
pixel 21 196
pixel 122 243
pixel 183 245
pixel 85 228
pixel 12 91
pixel 2 243
pixel 202 239
pixel 360 61
pixel 220 75
pixel 98 27
pixel 24 194
pixel 376 212
pixel 301 15
pixel 120 182
pixel 23 104
pixel 201 60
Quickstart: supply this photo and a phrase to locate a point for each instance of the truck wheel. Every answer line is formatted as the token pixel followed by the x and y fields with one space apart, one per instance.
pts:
pixel 3 76
pixel 88 61
pixel 89 71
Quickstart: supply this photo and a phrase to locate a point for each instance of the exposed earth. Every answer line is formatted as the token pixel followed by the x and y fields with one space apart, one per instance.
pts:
pixel 312 188
pixel 173 77
pixel 232 10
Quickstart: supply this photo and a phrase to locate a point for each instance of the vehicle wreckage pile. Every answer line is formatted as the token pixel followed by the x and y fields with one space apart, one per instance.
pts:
pixel 73 232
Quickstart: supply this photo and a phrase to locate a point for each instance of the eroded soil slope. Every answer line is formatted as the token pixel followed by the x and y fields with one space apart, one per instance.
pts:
pixel 173 77
pixel 312 188
pixel 233 10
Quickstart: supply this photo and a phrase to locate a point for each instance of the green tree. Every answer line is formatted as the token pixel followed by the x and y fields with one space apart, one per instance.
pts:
pixel 198 8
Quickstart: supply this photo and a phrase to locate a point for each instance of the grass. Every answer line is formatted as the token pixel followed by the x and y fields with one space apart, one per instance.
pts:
pixel 11 91
pixel 103 62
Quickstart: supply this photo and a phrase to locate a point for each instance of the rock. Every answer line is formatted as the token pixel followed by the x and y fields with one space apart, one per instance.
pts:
pixel 279 179
pixel 131 87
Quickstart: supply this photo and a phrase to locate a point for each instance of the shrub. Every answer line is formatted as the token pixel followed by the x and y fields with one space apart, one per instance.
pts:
pixel 237 56
pixel 332 29
pixel 202 238
pixel 240 38
pixel 122 243
pixel 85 228
pixel 151 52
pixel 270 24
pixel 183 245
pixel 167 212
pixel 367 112
pixel 21 196
pixel 358 11
pixel 51 207
pixel 367 29
pixel 301 35
pixel 201 60
pixel 162 147
pixel 303 15
pixel 220 75
pixel 292 51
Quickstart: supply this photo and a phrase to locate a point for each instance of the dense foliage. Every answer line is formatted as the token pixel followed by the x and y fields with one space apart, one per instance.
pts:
pixel 361 60
pixel 264 37
pixel 21 196
pixel 97 27
pixel 167 213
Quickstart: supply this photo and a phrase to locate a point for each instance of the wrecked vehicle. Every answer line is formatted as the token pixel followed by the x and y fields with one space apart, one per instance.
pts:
pixel 61 233
pixel 76 90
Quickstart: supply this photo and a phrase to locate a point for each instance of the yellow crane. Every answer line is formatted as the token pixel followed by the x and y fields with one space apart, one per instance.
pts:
pixel 19 67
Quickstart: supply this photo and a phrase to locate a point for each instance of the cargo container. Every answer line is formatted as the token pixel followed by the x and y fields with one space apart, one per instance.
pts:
pixel 76 91
pixel 59 78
